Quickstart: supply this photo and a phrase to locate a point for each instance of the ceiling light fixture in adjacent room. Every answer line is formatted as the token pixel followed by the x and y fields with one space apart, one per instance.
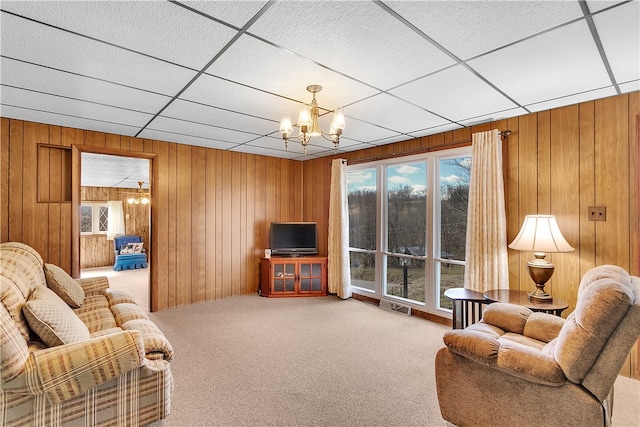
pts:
pixel 308 124
pixel 140 197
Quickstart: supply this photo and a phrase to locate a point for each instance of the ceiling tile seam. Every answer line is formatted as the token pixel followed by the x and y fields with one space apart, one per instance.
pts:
pixel 75 33
pixel 86 76
pixel 214 59
pixel 69 115
pixel 444 50
pixel 75 99
pixel 596 39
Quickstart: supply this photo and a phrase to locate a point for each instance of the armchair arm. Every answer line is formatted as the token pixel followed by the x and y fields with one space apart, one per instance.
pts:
pixel 67 371
pixel 94 285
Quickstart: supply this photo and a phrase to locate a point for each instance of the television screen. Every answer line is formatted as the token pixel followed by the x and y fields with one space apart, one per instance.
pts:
pixel 294 238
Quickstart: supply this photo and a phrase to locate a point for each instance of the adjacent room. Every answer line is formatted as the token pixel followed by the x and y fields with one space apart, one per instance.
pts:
pixel 249 213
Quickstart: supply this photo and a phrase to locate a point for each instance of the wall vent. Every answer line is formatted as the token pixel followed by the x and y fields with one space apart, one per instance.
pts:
pixel 394 306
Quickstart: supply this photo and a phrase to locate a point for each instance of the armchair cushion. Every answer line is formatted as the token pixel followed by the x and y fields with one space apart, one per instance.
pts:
pixel 52 319
pixel 508 317
pixel 63 285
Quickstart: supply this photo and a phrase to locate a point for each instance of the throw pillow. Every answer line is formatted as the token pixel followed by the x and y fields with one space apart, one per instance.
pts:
pixel 137 248
pixel 63 285
pixel 52 319
pixel 126 249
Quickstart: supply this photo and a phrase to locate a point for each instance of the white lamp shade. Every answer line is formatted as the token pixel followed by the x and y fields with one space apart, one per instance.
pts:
pixel 304 118
pixel 338 120
pixel 540 233
pixel 285 124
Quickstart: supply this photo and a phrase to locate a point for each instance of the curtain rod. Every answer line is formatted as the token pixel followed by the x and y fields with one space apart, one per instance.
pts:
pixel 456 144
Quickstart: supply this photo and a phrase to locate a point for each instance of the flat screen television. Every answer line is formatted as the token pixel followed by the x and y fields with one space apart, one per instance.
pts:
pixel 294 238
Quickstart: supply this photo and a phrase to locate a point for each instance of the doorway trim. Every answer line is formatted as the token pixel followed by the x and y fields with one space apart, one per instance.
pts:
pixel 76 174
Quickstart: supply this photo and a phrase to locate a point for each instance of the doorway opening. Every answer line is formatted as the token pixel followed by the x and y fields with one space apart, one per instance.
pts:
pixel 112 184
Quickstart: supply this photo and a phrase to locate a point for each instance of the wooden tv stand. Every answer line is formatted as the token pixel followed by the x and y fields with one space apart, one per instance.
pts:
pixel 304 276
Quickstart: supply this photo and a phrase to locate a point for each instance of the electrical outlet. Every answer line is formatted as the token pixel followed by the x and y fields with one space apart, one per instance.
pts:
pixel 597 213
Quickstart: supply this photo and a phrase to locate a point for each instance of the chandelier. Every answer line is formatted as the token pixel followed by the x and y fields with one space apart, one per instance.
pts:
pixel 308 124
pixel 140 197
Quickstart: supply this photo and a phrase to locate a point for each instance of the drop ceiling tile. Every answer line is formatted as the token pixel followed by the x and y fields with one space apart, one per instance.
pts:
pixel 447 93
pixel 470 28
pixel 214 91
pixel 31 115
pixel 236 13
pixel 206 115
pixel 619 31
pixel 160 135
pixel 164 31
pixel 166 124
pixel 42 79
pixel 556 64
pixel 100 170
pixel 28 41
pixel 356 38
pixel 70 107
pixel 595 6
pixel 294 145
pixel 494 116
pixel 285 74
pixel 361 131
pixel 435 129
pixel 630 87
pixel 394 114
pixel 269 152
pixel 572 99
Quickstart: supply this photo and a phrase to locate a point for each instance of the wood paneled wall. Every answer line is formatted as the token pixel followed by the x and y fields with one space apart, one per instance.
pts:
pixel 96 250
pixel 558 162
pixel 211 209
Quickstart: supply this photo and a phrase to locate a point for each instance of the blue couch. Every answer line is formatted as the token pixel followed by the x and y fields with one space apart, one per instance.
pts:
pixel 128 261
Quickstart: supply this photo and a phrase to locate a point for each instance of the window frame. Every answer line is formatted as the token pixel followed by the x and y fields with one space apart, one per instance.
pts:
pixel 95 217
pixel 433 228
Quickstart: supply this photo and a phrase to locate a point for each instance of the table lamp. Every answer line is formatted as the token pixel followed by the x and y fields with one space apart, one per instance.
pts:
pixel 540 234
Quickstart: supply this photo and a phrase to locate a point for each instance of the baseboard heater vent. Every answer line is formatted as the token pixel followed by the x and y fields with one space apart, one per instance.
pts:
pixel 394 306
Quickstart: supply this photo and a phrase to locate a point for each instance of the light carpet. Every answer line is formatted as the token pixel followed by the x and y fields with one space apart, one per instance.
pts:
pixel 253 361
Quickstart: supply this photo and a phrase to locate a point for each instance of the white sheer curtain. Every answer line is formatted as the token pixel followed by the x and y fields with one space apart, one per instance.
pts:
pixel 339 272
pixel 487 265
pixel 115 219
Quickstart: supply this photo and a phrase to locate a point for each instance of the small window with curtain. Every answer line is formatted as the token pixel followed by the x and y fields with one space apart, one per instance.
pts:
pixel 94 218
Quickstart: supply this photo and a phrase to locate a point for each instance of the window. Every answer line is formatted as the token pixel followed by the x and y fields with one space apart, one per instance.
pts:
pixel 93 218
pixel 408 222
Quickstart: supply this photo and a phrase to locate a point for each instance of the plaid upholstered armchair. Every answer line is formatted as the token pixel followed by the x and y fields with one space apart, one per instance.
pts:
pixel 517 368
pixel 75 352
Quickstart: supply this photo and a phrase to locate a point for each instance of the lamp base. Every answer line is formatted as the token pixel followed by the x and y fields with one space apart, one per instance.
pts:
pixel 540 271
pixel 542 296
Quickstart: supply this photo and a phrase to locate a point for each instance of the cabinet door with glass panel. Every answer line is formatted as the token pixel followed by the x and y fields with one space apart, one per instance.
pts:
pixel 311 276
pixel 284 277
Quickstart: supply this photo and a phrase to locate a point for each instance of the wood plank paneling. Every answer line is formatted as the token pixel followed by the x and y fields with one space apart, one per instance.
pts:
pixel 612 180
pixel 4 179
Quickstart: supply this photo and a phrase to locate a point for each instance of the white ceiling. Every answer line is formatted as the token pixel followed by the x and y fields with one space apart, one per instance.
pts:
pixel 221 73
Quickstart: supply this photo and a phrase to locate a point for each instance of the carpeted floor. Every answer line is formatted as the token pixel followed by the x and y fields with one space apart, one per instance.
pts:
pixel 135 282
pixel 253 361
